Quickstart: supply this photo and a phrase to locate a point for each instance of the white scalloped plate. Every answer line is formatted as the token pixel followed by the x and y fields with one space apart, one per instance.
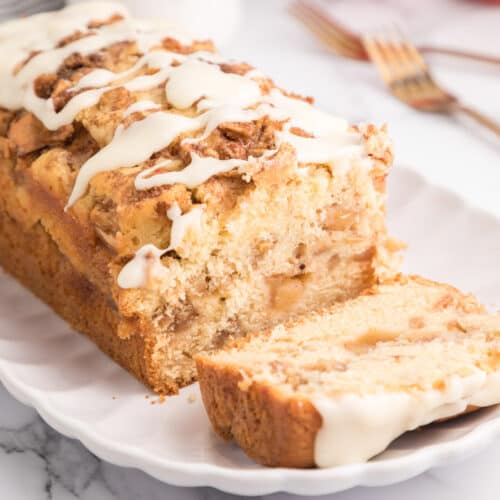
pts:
pixel 84 395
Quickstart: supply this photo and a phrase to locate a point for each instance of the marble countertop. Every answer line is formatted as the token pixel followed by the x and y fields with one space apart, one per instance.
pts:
pixel 38 463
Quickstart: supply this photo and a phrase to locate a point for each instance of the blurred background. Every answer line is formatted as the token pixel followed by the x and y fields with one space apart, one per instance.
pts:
pixel 265 33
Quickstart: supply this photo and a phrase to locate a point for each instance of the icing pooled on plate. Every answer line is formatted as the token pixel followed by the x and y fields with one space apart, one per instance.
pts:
pixel 356 428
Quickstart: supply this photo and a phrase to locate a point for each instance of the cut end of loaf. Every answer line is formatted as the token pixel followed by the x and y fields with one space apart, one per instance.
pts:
pixel 401 355
pixel 233 204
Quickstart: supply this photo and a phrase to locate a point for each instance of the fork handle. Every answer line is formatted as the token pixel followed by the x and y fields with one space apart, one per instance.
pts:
pixel 473 56
pixel 479 117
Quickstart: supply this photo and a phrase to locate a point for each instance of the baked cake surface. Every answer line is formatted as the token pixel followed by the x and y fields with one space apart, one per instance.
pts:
pixel 337 386
pixel 164 200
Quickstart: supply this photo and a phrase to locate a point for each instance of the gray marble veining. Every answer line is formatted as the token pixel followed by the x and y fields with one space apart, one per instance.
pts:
pixel 37 462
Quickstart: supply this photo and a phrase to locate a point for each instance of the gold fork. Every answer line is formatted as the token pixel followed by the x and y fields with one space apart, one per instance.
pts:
pixel 408 77
pixel 334 35
pixel 346 43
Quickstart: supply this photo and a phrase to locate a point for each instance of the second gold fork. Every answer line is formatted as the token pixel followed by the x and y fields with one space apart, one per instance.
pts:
pixel 409 79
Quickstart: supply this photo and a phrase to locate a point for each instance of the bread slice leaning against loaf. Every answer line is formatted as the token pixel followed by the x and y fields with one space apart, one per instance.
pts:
pixel 337 387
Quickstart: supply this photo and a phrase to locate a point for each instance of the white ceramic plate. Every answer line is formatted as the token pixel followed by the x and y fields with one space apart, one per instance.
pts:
pixel 84 395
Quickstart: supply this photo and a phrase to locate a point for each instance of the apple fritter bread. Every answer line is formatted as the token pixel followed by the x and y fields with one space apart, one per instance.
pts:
pixel 164 200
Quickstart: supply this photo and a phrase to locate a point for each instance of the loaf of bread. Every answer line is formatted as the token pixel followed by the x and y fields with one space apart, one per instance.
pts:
pixel 164 200
pixel 337 386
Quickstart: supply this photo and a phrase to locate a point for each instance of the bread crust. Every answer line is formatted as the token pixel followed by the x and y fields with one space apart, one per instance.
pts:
pixel 270 427
pixel 273 428
pixel 32 257
pixel 70 252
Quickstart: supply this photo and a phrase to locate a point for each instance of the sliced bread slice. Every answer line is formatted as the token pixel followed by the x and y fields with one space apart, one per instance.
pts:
pixel 339 386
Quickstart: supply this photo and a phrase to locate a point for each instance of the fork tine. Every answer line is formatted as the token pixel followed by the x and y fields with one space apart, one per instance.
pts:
pixel 331 42
pixel 337 39
pixel 409 79
pixel 379 57
pixel 416 71
pixel 411 52
pixel 419 70
pixel 319 27
pixel 404 71
pixel 332 25
pixel 391 65
pixel 397 55
pixel 408 74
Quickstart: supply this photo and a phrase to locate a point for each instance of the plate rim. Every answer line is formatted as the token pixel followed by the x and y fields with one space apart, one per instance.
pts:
pixel 259 480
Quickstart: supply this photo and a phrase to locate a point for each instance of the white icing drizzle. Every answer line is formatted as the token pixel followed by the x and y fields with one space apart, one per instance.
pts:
pixel 223 114
pixel 44 108
pixel 18 39
pixel 338 147
pixel 302 114
pixel 146 268
pixel 41 32
pixel 333 142
pixel 155 59
pixel 147 81
pixel 96 78
pixel 102 77
pixel 15 87
pixel 143 269
pixel 356 428
pixel 195 80
pixel 181 224
pixel 335 149
pixel 132 146
pixel 198 81
pixel 147 136
pixel 200 168
pixel 144 105
pixel 197 172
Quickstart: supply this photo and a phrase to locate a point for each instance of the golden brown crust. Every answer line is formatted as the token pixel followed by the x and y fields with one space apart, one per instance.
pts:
pixel 101 232
pixel 35 145
pixel 26 199
pixel 272 428
pixel 34 259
